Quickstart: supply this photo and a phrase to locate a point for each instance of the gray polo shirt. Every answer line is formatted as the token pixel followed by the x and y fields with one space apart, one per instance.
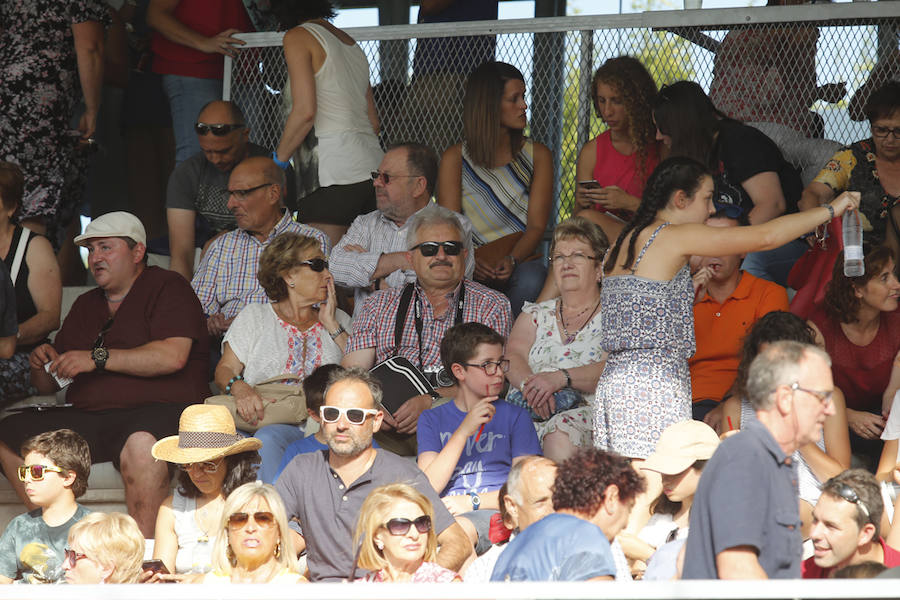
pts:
pixel 747 496
pixel 328 510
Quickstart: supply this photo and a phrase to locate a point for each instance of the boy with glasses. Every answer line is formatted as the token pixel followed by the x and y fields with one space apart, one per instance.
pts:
pixel 468 445
pixel 55 473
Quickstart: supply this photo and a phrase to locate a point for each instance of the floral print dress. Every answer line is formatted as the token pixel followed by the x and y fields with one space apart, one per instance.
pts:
pixel 39 90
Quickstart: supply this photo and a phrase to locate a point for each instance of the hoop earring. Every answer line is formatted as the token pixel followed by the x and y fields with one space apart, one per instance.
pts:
pixel 278 550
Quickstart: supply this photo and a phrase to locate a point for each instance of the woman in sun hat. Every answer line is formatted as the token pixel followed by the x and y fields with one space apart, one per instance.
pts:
pixel 214 460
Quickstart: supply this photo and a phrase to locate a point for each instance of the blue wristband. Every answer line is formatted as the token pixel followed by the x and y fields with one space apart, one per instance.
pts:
pixel 284 164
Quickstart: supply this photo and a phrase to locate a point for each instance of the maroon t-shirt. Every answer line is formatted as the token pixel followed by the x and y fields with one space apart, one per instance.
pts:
pixel 161 304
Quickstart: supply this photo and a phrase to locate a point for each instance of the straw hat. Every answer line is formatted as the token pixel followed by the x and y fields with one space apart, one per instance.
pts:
pixel 205 432
pixel 680 446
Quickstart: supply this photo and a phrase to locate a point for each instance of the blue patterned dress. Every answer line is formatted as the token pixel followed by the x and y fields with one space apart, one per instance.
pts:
pixel 648 330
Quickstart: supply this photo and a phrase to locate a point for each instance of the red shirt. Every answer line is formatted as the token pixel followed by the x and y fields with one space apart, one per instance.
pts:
pixel 813 571
pixel 208 18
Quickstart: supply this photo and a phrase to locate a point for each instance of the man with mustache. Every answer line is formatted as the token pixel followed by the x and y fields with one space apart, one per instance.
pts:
pixel 135 351
pixel 728 301
pixel 440 298
pixel 372 254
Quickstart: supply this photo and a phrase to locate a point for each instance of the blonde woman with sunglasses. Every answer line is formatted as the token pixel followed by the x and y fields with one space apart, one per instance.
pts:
pixel 253 544
pixel 395 538
pixel 213 460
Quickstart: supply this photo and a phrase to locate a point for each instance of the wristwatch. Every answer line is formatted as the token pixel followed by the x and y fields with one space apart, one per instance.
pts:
pixel 100 356
pixel 476 500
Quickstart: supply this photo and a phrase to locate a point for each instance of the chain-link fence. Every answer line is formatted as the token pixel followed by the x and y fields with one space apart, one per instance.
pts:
pixel 758 64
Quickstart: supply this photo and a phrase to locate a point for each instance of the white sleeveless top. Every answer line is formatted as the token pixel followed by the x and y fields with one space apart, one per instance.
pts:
pixel 348 150
pixel 194 547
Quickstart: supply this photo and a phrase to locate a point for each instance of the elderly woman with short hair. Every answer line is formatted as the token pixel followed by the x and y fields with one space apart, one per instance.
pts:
pixel 554 348
pixel 104 548
pixel 298 330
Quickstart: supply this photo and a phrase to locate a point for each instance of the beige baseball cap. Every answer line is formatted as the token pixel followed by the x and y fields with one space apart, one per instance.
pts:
pixel 681 445
pixel 114 224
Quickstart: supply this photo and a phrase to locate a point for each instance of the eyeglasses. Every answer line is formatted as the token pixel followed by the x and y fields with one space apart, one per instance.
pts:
pixel 431 248
pixel 264 519
pixel 850 495
pixel 98 343
pixel 883 132
pixel 401 526
pixel 217 129
pixel 356 416
pixel 316 264
pixel 490 367
pixel 207 466
pixel 37 471
pixel 244 193
pixel 576 258
pixel 386 177
pixel 823 397
pixel 72 557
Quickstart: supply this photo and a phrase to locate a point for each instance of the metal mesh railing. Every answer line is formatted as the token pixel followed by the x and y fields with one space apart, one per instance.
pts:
pixel 759 64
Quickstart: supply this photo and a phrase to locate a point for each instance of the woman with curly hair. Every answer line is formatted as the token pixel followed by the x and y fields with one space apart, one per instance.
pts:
pixel 593 494
pixel 614 166
pixel 331 127
pixel 861 327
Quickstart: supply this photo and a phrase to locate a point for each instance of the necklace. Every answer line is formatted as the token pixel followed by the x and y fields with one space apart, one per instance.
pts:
pixel 206 518
pixel 570 337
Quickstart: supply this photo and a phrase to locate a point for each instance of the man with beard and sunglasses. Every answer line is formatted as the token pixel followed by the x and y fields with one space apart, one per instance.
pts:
pixel 226 279
pixel 133 353
pixel 440 298
pixel 197 193
pixel 372 254
pixel 324 491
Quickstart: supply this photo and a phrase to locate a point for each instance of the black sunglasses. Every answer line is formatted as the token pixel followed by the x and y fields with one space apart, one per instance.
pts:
pixel 401 526
pixel 386 177
pixel 316 264
pixel 98 343
pixel 217 129
pixel 431 248
pixel 850 495
pixel 262 518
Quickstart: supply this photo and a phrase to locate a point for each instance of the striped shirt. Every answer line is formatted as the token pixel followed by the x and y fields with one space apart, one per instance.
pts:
pixel 375 326
pixel 379 235
pixel 496 200
pixel 226 280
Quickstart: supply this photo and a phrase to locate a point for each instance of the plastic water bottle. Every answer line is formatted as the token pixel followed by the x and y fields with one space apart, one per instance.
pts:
pixel 853 239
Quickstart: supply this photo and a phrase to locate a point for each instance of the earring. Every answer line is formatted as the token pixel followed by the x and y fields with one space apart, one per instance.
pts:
pixel 292 285
pixel 379 544
pixel 278 550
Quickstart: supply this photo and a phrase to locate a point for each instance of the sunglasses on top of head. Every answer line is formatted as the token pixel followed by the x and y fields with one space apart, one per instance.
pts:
pixel 431 248
pixel 217 129
pixel 401 526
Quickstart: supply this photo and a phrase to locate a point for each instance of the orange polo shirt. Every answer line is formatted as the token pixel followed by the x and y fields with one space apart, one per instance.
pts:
pixel 720 330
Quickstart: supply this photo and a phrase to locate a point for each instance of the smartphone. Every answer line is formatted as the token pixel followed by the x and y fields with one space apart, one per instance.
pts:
pixel 590 184
pixel 155 565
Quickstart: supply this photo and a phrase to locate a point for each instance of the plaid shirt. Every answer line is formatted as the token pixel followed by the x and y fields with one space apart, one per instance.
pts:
pixel 226 280
pixel 374 328
pixel 379 235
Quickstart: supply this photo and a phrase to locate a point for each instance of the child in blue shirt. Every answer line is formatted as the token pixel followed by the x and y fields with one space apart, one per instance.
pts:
pixel 468 445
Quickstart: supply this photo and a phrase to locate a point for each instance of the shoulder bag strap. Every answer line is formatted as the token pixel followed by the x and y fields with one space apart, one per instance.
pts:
pixel 402 311
pixel 20 254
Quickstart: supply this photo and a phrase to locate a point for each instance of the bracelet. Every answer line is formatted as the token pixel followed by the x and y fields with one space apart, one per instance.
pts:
pixel 337 332
pixel 830 211
pixel 513 259
pixel 568 377
pixel 231 382
pixel 284 164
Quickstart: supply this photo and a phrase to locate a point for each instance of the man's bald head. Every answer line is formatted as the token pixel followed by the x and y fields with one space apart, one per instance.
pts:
pixel 221 112
pixel 530 490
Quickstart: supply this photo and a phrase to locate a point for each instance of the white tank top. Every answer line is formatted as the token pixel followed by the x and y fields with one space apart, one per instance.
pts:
pixel 348 150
